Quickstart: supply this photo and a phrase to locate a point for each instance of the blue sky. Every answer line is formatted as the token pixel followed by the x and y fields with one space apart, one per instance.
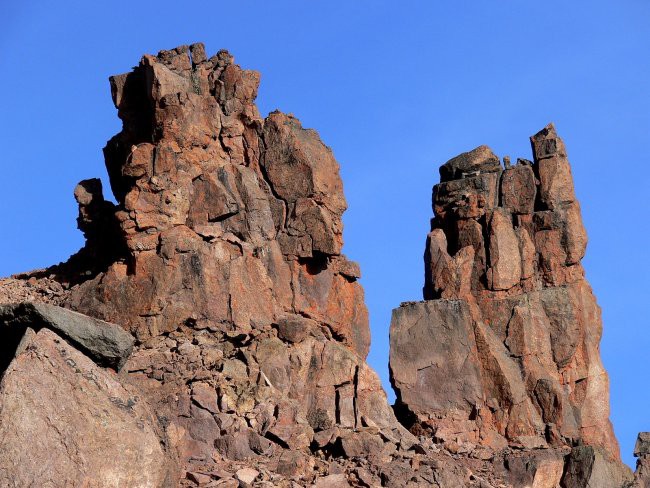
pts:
pixel 396 89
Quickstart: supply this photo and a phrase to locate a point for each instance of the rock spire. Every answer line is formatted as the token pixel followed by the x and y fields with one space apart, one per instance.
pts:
pixel 213 333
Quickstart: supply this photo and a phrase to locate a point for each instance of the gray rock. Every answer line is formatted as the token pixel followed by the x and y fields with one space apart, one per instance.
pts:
pixel 591 467
pixel 642 446
pixel 107 344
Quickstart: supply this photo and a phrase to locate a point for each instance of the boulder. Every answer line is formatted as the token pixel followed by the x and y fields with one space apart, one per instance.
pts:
pixel 65 421
pixel 479 160
pixel 107 344
pixel 591 467
pixel 433 357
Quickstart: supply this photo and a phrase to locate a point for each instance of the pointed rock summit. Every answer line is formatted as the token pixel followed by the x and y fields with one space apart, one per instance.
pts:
pixel 504 351
pixel 213 333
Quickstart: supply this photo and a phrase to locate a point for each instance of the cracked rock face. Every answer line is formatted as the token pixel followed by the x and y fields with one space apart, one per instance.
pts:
pixel 224 217
pixel 505 349
pixel 222 258
pixel 227 267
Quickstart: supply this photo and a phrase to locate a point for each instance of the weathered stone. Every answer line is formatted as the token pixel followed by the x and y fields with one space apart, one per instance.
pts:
pixel 447 277
pixel 205 396
pixel 504 256
pixel 293 463
pixel 479 160
pixel 235 446
pixel 466 198
pixel 642 452
pixel 518 189
pixel 200 479
pixel 294 328
pixel 515 360
pixel 106 343
pixel 58 406
pixel 332 481
pixel 590 467
pixel 528 253
pixel 429 346
pixel 361 444
pixel 246 476
pixel 642 446
pixel 537 469
pixel 553 169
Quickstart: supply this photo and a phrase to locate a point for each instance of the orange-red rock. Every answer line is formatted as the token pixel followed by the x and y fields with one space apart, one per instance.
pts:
pixel 252 325
pixel 514 348
pixel 223 258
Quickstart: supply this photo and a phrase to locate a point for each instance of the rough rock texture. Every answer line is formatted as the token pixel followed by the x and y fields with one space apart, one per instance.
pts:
pixel 105 343
pixel 222 257
pixel 642 453
pixel 66 421
pixel 32 287
pixel 505 351
pixel 590 467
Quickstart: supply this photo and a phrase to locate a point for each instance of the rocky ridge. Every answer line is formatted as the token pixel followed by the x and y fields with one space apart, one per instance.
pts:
pixel 222 258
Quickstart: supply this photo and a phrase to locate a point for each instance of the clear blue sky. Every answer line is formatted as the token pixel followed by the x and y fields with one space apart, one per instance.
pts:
pixel 396 89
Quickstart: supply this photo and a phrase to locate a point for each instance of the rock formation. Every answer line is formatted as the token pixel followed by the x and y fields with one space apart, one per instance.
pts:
pixel 226 265
pixel 223 258
pixel 214 334
pixel 504 351
pixel 642 452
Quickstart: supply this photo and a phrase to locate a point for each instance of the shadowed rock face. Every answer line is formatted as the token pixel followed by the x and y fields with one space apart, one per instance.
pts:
pixel 642 452
pixel 510 329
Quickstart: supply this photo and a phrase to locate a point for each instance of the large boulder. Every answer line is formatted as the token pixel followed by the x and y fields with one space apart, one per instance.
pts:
pixel 433 357
pixel 589 467
pixel 65 421
pixel 107 344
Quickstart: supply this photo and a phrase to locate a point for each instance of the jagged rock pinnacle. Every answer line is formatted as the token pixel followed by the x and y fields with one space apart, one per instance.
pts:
pixel 245 363
pixel 505 351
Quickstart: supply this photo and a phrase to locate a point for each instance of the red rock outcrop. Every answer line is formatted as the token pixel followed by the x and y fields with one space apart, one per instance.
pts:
pixel 246 365
pixel 225 263
pixel 505 349
pixel 642 453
